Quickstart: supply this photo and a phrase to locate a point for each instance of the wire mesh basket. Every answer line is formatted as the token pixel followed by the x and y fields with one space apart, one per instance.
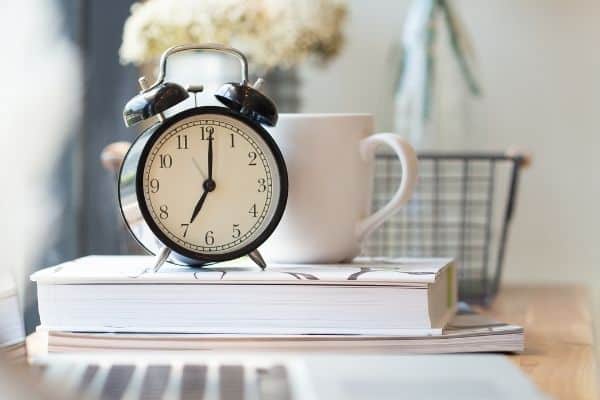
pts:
pixel 462 208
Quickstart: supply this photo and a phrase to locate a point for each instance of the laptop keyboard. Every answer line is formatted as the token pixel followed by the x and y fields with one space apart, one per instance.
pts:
pixel 164 381
pixel 193 382
pixel 116 382
pixel 86 379
pixel 155 382
pixel 231 382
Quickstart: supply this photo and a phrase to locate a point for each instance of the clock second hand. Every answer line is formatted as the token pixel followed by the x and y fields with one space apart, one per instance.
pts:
pixel 199 168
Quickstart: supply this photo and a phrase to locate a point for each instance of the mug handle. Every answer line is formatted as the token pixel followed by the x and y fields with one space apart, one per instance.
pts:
pixel 408 160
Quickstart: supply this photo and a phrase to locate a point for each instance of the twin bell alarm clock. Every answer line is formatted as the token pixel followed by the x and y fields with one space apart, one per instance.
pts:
pixel 206 184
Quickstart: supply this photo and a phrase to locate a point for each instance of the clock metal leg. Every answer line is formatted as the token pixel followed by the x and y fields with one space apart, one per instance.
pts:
pixel 257 258
pixel 161 257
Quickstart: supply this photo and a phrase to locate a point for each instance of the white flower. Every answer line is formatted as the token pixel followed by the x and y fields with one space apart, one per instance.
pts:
pixel 270 32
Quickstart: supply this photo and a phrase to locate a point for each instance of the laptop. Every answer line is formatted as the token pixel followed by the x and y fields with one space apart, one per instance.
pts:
pixel 272 376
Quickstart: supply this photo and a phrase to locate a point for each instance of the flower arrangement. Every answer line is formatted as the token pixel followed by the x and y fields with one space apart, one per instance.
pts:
pixel 271 33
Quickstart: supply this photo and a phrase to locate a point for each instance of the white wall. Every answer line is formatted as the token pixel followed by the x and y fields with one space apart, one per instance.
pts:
pixel 541 71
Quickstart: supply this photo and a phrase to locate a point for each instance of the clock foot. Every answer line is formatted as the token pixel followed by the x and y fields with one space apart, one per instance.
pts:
pixel 161 258
pixel 257 258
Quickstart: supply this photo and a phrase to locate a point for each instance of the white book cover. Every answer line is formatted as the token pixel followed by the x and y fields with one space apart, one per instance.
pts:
pixel 137 269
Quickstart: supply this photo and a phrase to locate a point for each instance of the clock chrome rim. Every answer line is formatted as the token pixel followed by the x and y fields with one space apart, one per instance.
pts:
pixel 181 254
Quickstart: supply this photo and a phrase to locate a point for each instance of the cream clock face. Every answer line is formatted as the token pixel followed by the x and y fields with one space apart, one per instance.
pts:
pixel 211 184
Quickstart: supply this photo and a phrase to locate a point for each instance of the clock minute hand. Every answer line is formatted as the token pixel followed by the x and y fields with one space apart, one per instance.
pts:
pixel 198 206
pixel 210 156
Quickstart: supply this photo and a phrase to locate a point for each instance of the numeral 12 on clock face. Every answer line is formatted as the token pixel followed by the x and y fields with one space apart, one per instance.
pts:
pixel 209 182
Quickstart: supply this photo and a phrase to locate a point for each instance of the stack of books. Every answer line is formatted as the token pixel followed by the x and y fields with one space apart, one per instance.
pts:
pixel 112 303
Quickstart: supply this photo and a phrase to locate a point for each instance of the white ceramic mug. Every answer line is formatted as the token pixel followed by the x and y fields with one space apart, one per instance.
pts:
pixel 330 161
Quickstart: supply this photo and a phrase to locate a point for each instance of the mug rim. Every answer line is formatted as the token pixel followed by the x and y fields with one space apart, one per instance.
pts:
pixel 326 115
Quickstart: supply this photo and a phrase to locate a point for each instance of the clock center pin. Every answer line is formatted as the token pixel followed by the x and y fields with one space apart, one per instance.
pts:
pixel 209 185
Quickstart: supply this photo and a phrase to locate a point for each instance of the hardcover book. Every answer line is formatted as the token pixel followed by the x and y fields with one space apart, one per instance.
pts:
pixel 367 297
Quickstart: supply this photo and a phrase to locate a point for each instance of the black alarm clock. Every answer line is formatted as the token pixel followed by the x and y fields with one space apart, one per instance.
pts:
pixel 206 184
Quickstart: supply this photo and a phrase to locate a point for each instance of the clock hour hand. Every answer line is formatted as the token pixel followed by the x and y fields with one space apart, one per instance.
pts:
pixel 198 206
pixel 208 186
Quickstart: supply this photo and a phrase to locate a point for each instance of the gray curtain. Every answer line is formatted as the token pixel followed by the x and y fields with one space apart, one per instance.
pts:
pixel 87 220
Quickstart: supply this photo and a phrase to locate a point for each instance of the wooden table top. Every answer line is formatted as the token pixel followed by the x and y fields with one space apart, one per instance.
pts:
pixel 560 353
